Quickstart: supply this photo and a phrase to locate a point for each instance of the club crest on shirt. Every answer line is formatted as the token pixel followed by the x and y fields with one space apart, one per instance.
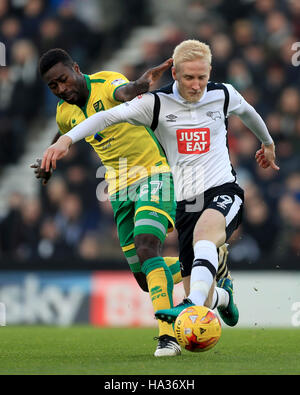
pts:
pixel 118 81
pixel 98 106
pixel 214 115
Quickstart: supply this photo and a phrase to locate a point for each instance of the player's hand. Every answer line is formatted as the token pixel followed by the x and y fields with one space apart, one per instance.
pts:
pixel 55 152
pixel 265 157
pixel 154 74
pixel 41 173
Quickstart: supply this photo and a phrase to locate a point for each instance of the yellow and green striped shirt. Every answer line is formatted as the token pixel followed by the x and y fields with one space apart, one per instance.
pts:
pixel 129 153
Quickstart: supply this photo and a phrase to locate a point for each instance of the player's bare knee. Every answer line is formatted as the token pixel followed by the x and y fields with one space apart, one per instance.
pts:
pixel 218 237
pixel 147 246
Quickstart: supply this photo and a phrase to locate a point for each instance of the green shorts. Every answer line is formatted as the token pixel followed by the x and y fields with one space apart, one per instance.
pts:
pixel 146 207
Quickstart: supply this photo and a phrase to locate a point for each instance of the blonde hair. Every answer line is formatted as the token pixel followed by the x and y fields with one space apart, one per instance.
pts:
pixel 189 50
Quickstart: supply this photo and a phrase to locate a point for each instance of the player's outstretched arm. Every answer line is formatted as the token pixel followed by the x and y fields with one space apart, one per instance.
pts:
pixel 55 152
pixel 143 84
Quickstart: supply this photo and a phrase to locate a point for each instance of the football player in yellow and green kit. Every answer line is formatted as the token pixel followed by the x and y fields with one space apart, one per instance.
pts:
pixel 137 173
pixel 130 155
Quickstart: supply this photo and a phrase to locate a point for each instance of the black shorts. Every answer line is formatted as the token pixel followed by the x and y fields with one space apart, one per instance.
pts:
pixel 228 199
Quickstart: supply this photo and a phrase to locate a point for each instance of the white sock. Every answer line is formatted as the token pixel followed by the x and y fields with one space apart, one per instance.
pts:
pixel 203 271
pixel 220 298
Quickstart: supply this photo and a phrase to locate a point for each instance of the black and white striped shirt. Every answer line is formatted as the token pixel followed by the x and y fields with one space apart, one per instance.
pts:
pixel 193 135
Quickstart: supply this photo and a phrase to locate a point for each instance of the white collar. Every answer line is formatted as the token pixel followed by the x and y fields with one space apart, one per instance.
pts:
pixel 183 100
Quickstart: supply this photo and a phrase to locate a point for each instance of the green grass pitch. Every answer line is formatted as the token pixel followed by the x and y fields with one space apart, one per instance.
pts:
pixel 87 350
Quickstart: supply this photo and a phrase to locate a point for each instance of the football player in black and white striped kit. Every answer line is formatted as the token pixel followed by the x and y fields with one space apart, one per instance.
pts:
pixel 189 118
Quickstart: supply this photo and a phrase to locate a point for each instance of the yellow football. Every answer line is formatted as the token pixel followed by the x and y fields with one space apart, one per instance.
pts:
pixel 197 328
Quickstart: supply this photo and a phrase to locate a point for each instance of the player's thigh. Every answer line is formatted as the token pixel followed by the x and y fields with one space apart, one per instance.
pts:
pixel 230 206
pixel 155 207
pixel 210 226
pixel 223 214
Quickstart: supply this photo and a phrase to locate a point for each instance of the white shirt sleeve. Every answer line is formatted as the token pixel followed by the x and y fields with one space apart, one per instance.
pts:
pixel 240 107
pixel 138 111
pixel 236 100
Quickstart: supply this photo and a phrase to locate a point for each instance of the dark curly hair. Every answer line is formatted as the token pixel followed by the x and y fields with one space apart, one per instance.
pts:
pixel 52 57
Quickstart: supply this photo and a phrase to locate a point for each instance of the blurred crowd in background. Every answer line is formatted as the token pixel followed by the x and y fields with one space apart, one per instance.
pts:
pixel 251 42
